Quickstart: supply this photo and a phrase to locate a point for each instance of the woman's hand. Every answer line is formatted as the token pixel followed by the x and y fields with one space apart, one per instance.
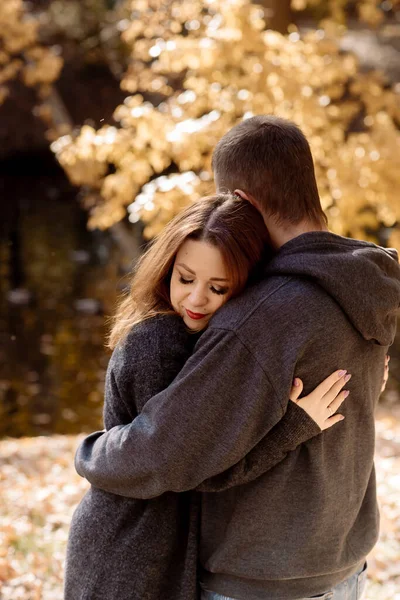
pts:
pixel 325 400
pixel 386 373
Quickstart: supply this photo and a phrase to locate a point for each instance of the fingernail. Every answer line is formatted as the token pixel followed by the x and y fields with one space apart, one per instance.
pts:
pixel 346 393
pixel 341 373
pixel 296 382
pixel 347 378
pixel 341 418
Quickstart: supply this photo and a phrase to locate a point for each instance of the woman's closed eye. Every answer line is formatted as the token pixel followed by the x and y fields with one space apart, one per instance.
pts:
pixel 218 291
pixel 184 281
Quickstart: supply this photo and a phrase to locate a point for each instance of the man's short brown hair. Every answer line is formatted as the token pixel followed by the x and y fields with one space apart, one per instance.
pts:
pixel 270 159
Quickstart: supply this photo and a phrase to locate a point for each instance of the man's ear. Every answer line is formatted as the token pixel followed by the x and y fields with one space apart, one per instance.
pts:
pixel 247 197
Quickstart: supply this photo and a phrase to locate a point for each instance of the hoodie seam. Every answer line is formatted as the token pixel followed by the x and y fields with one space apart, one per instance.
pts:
pixel 260 366
pixel 288 279
pixel 344 242
pixel 321 243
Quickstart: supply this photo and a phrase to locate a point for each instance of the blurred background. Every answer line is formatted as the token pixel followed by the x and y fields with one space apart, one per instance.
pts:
pixel 109 113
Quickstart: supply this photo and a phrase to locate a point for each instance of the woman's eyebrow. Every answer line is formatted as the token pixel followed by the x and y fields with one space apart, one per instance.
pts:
pixel 185 267
pixel 193 273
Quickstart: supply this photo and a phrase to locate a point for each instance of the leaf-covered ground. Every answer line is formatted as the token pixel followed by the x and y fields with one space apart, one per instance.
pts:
pixel 39 490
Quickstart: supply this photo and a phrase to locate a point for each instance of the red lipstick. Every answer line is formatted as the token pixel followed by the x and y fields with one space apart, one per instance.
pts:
pixel 195 316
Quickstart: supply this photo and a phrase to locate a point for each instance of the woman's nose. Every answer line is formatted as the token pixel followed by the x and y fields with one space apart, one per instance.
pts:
pixel 198 297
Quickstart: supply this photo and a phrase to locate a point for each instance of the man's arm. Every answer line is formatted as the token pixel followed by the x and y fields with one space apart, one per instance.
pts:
pixel 217 409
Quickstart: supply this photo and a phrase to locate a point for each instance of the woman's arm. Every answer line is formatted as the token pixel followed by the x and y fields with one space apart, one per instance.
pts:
pixel 295 428
pixel 304 419
pixel 143 365
pixel 152 356
pixel 148 362
pixel 115 410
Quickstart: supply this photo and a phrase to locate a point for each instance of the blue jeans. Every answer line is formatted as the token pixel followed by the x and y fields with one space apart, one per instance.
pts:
pixel 350 589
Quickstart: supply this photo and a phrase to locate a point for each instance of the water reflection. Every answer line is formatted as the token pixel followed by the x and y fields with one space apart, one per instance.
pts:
pixel 58 281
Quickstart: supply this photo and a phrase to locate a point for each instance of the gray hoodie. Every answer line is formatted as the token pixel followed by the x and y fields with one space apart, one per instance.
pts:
pixel 325 302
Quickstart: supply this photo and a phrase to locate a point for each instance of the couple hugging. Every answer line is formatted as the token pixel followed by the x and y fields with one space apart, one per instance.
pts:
pixel 218 477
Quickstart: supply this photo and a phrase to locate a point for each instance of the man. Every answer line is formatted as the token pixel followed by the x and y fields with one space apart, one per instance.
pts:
pixel 324 302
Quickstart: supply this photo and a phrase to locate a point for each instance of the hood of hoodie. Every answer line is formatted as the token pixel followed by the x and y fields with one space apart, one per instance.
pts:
pixel 363 278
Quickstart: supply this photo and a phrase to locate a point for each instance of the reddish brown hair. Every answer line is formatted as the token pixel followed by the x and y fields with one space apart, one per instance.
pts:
pixel 230 224
pixel 270 159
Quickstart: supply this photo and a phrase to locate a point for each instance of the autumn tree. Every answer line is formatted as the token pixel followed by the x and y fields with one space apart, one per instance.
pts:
pixel 24 58
pixel 370 12
pixel 198 68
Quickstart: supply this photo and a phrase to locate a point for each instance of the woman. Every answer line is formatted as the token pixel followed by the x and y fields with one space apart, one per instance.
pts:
pixel 120 548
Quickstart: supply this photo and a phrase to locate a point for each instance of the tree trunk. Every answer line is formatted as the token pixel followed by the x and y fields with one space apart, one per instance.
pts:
pixel 278 14
pixel 129 240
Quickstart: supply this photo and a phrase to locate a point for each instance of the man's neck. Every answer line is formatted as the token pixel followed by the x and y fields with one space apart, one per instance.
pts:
pixel 281 233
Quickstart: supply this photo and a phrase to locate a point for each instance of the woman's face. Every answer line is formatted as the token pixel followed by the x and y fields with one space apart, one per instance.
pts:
pixel 199 283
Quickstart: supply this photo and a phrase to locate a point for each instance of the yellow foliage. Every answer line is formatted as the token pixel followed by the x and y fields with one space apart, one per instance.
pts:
pixel 21 55
pixel 227 66
pixel 371 12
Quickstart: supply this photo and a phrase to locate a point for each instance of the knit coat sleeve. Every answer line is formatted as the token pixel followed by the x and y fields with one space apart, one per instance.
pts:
pixel 116 411
pixel 196 429
pixel 142 365
pixel 146 363
pixel 295 428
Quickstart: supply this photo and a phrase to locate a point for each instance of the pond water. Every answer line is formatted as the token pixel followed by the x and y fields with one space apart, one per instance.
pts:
pixel 58 281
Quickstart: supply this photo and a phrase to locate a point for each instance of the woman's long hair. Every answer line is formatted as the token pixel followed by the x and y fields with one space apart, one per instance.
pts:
pixel 225 221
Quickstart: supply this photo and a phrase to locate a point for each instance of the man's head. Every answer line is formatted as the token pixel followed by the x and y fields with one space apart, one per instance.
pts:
pixel 269 159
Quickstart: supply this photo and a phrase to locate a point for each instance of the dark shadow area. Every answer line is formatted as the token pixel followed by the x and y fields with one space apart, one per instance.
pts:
pixel 57 282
